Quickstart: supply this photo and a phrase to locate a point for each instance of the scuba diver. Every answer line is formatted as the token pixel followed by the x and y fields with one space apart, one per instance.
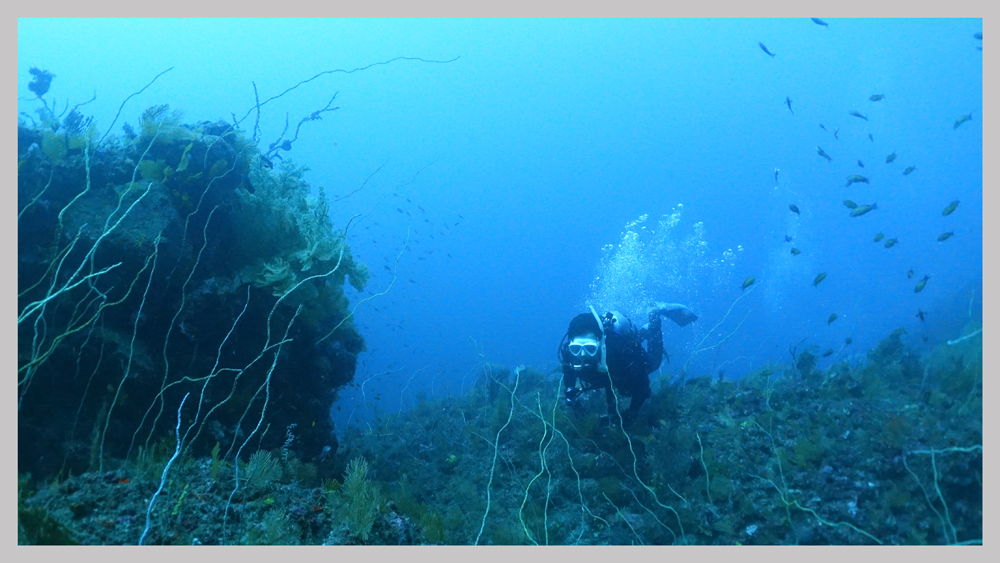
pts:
pixel 607 353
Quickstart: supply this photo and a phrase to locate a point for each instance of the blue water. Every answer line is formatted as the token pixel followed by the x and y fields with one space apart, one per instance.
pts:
pixel 532 152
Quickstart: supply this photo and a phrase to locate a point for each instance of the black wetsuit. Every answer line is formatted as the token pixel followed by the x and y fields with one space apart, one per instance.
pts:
pixel 629 366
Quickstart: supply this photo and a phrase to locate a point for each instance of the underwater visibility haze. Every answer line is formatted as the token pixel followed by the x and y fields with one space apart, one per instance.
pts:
pixel 312 281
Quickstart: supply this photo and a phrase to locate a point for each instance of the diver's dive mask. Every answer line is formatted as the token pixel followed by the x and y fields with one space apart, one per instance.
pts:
pixel 584 347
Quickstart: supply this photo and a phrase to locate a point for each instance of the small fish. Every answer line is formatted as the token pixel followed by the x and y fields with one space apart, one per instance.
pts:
pixel 962 120
pixel 858 114
pixel 748 282
pixel 861 164
pixel 788 238
pixel 920 315
pixel 908 170
pixel 862 209
pixel 854 178
pixel 870 138
pixel 776 175
pixel 847 341
pixel 876 97
pixel 823 127
pixel 909 274
pixel 951 208
pixel 764 48
pixel 829 352
pixel 945 236
pixel 978 35
pixel 819 278
pixel 850 204
pixel 878 237
pixel 835 133
pixel 832 318
pixel 796 251
pixel 398 209
pixel 794 208
pixel 921 284
pixel 890 158
pixel 788 102
pixel 818 21
pixel 822 153
pixel 891 242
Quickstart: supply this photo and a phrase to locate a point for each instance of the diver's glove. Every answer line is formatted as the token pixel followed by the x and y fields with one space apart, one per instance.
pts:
pixel 571 394
pixel 673 311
